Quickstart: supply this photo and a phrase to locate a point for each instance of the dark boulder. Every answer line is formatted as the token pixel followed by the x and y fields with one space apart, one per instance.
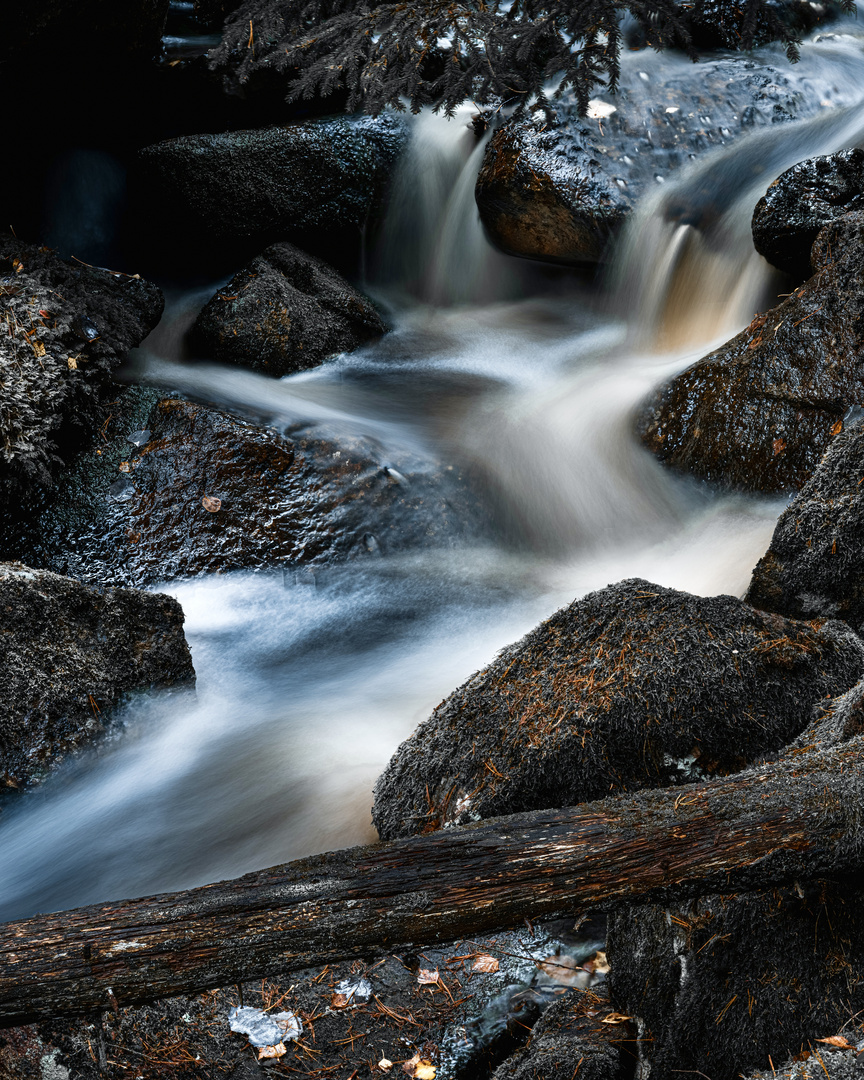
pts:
pixel 560 192
pixel 633 686
pixel 801 202
pixel 579 1032
pixel 208 492
pixel 68 655
pixel 814 566
pixel 67 326
pixel 286 311
pixel 314 182
pixel 757 413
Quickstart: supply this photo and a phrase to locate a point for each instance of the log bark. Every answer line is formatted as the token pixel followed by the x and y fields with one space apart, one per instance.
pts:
pixel 798 817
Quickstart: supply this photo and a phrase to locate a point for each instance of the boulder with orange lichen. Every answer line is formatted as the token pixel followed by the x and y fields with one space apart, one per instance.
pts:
pixel 758 413
pixel 633 686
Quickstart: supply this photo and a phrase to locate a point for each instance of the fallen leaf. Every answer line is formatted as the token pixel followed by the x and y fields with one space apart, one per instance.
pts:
pixel 615 1018
pixel 598 962
pixel 18 265
pixel 838 427
pixel 409 1066
pixel 485 963
pixel 385 1065
pixel 424 1072
pixel 564 970
pixel 425 976
pixel 839 1041
pixel 211 503
pixel 73 363
pixel 340 1001
pixel 419 1068
pixel 277 1051
pixel 38 348
pixel 123 466
pixel 779 446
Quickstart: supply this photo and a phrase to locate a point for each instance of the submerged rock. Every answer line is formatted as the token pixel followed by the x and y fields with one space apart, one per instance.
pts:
pixel 757 413
pixel 801 202
pixel 559 193
pixel 633 686
pixel 67 326
pixel 814 566
pixel 210 492
pixel 308 180
pixel 286 311
pixel 69 653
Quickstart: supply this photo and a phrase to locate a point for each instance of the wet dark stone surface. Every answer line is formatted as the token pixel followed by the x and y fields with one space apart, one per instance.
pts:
pixel 132 516
pixel 312 183
pixel 285 312
pixel 560 193
pixel 721 984
pixel 69 326
pixel 758 413
pixel 633 686
pixel 807 197
pixel 68 655
pixel 814 566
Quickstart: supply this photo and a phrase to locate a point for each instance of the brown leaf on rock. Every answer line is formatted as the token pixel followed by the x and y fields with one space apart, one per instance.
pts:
pixel 839 1041
pixel 779 446
pixel 277 1051
pixel 837 428
pixel 211 503
pixel 485 963
pixel 426 976
pixel 616 1018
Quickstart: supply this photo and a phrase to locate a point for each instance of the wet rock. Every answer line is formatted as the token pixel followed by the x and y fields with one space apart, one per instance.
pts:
pixel 305 182
pixel 285 312
pixel 814 566
pixel 67 327
pixel 832 1062
pixel 757 413
pixel 282 502
pixel 633 686
pixel 559 193
pixel 801 202
pixel 69 654
pixel 573 1033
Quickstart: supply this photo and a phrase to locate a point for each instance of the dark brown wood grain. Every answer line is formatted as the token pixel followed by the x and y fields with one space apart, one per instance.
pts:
pixel 794 818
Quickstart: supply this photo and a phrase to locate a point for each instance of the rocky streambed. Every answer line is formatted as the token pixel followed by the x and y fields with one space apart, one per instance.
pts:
pixel 527 525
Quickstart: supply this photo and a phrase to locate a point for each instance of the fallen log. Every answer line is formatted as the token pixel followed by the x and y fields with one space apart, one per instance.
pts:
pixel 778 823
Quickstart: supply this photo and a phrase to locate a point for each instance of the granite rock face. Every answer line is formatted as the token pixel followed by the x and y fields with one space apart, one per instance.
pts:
pixel 285 312
pixel 68 655
pixel 559 193
pixel 758 413
pixel 69 326
pixel 801 202
pixel 633 686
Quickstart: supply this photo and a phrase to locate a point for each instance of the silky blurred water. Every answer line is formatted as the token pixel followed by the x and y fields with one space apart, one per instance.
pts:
pixel 526 377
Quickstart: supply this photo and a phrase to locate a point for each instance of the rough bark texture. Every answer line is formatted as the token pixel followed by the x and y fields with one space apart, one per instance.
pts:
pixel 68 654
pixel 798 818
pixel 814 565
pixel 801 202
pixel 67 326
pixel 560 192
pixel 758 413
pixel 632 686
pixel 286 311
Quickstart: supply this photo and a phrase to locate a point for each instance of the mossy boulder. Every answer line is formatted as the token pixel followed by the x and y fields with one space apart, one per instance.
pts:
pixel 758 413
pixel 633 686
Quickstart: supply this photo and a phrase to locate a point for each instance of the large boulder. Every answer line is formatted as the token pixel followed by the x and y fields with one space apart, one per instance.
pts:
pixel 560 192
pixel 801 202
pixel 757 413
pixel 814 566
pixel 208 492
pixel 633 686
pixel 67 326
pixel 68 655
pixel 285 312
pixel 308 182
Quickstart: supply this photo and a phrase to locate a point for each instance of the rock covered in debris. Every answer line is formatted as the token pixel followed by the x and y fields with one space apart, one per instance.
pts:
pixel 814 566
pixel 831 1061
pixel 633 686
pixel 801 202
pixel 67 326
pixel 286 311
pixel 68 655
pixel 758 413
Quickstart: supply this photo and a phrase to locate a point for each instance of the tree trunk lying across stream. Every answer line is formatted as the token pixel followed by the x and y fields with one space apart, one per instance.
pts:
pixel 798 817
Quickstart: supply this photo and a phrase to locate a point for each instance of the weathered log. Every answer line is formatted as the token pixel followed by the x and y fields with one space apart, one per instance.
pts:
pixel 778 823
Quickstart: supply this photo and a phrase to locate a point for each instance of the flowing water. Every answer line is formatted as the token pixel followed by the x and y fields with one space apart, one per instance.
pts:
pixel 307 684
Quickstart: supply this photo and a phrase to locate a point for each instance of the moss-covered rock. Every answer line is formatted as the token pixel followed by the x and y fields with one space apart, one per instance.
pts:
pixel 633 686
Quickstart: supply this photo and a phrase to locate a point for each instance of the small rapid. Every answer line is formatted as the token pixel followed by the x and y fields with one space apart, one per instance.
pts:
pixel 527 377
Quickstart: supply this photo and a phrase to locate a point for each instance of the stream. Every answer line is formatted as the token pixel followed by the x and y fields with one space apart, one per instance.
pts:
pixel 526 375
